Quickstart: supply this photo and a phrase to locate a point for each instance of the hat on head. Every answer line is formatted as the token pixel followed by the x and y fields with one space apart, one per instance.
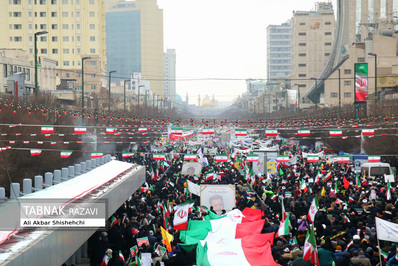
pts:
pixel 338 247
pixel 356 237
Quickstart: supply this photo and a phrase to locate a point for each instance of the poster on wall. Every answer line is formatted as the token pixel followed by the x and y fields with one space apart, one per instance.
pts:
pixel 361 82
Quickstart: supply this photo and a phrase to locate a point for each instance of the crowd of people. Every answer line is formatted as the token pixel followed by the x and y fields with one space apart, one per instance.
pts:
pixel 344 225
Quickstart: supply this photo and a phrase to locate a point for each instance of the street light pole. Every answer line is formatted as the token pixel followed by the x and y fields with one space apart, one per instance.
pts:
pixel 84 58
pixel 339 91
pixel 109 84
pixel 375 55
pixel 124 95
pixel 35 39
pixel 298 97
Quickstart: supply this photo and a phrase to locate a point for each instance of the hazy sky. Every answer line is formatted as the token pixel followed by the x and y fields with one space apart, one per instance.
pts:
pixel 220 43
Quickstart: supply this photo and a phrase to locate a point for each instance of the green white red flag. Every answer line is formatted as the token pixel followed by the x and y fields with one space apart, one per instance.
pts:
pixel 271 132
pixel 313 210
pixel 80 130
pixel 252 158
pixel 159 156
pixel 335 132
pixel 312 158
pixel 127 154
pixel 283 229
pixel 47 129
pixel 304 132
pixel 96 154
pixel 35 152
pixel 374 158
pixel 368 132
pixel 221 158
pixel 343 159
pixel 111 130
pixel 310 250
pixel 240 132
pixel 282 158
pixel 66 154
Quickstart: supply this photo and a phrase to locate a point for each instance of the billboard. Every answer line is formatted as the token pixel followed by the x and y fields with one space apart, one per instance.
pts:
pixel 361 82
pixel 221 197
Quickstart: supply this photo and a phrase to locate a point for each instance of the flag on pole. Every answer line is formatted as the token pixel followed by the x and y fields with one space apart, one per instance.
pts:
pixel 283 227
pixel 388 193
pixel 282 158
pixel 335 132
pixel 368 132
pixel 188 157
pixel 159 156
pixel 387 231
pixel 111 130
pixel 142 129
pixel 210 174
pixel 313 210
pixel 310 251
pixel 346 183
pixel 35 152
pixel 181 216
pixel 47 129
pixel 327 176
pixel 271 132
pixel 303 132
pixel 167 238
pixel 284 214
pixel 252 158
pixel 80 130
pixel 127 154
pixel 303 185
pixel 66 154
pixel 121 256
pixel 221 158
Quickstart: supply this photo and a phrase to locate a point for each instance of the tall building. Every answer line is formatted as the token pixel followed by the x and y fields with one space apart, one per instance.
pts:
pixel 75 29
pixel 170 74
pixel 312 39
pixel 134 41
pixel 279 51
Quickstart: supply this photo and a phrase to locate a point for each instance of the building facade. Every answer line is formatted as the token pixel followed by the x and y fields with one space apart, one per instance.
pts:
pixel 312 40
pixel 170 74
pixel 279 51
pixel 135 41
pixel 64 31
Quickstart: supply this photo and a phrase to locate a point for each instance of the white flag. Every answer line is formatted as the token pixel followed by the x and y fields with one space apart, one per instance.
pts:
pixel 386 230
pixel 193 188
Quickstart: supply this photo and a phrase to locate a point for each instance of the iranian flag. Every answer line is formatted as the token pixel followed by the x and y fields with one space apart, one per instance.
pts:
pixel 271 132
pixel 310 250
pixel 240 132
pixel 335 132
pixel 80 130
pixel 143 240
pixel 374 158
pixel 127 154
pixel 283 227
pixel 303 132
pixel 327 176
pixel 343 159
pixel 368 132
pixel 159 156
pixel 96 154
pixel 313 210
pixel 312 158
pixel 252 158
pixel 208 131
pixel 142 129
pixel 66 154
pixel 111 130
pixel 188 157
pixel 303 185
pixel 221 158
pixel 210 174
pixel 282 158
pixel 35 152
pixel 47 129
pixel 181 216
pixel 176 130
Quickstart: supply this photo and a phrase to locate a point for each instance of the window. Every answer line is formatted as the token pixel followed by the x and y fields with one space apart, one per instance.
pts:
pixel 334 95
pixel 17 14
pixel 77 2
pixel 43 51
pixel 65 51
pixel 328 33
pixel 43 14
pixel 67 75
pixel 53 14
pixel 92 51
pixel 43 38
pixel 54 39
pixel 91 2
pixel 43 26
pixel 54 26
pixel 65 39
pixel 92 26
pixel 64 14
pixel 27 74
pixel 55 51
pixel 302 65
pixel 78 50
pixel 78 38
pixel 347 71
pixel 92 75
pixel 302 23
pixel 79 75
pixel 78 14
pixel 92 38
pixel 30 14
pixel 327 54
pixel 4 70
pixel 30 51
pixel 302 54
pixel 302 33
pixel 302 75
pixel 78 26
pixel 30 26
pixel 328 23
pixel 65 26
pixel 31 38
pixel 17 26
pixel 64 2
pixel 93 87
pixel 361 59
pixel 302 44
pixel 42 2
pixel 17 2
pixel 347 82
pixel 92 14
pixel 66 63
pixel 328 43
pixel 53 2
pixel 92 63
pixel 18 39
pixel 347 94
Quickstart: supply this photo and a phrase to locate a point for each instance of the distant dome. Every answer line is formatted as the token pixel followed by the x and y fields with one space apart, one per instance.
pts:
pixel 206 102
pixel 178 98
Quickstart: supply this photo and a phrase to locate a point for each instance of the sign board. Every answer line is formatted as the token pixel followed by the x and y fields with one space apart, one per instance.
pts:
pixel 191 168
pixel 221 197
